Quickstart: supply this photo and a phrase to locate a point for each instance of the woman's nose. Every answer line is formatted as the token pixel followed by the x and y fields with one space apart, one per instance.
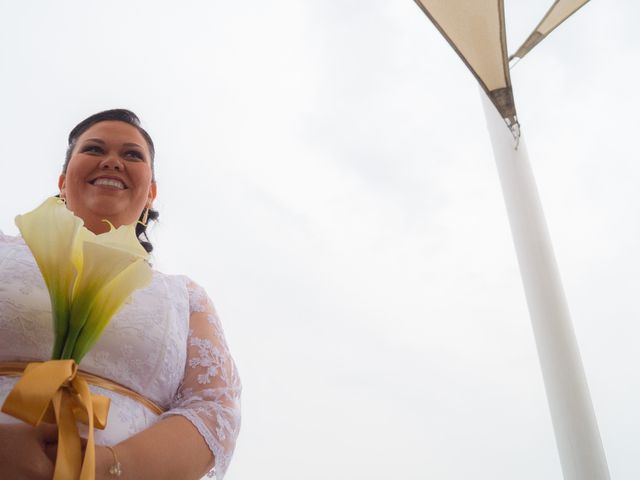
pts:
pixel 111 162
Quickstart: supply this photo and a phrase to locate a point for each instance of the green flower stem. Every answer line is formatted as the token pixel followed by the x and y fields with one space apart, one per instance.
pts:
pixel 60 310
pixel 79 315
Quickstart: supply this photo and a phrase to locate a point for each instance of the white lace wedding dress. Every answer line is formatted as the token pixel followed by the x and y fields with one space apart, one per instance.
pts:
pixel 166 343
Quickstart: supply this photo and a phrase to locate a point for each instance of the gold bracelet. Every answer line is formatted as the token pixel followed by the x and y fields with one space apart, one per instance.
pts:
pixel 115 470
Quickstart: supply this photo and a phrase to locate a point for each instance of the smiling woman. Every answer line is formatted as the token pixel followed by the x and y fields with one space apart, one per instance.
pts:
pixel 108 171
pixel 175 413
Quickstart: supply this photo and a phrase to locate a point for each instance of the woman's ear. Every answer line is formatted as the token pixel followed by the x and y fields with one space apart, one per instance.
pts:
pixel 153 191
pixel 62 184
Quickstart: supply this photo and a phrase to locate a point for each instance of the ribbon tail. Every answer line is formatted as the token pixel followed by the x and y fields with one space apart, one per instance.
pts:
pixel 89 464
pixel 69 448
pixel 100 405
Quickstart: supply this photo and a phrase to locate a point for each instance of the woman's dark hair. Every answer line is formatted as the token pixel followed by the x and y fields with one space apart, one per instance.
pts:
pixel 126 116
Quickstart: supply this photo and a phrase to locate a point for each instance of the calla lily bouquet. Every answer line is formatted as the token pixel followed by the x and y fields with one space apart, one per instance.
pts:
pixel 89 276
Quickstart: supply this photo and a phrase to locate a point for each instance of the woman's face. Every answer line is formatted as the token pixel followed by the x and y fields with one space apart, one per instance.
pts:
pixel 108 176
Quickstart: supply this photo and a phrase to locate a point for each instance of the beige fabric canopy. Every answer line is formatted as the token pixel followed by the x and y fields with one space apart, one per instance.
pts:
pixel 475 30
pixel 558 13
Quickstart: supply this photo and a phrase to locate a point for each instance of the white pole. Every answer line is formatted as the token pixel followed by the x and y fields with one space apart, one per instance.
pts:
pixel 574 422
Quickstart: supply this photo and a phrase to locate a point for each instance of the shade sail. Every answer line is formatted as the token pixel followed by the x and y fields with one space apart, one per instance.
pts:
pixel 475 30
pixel 558 13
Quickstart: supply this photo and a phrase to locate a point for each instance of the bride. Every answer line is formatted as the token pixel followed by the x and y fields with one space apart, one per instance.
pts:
pixel 179 413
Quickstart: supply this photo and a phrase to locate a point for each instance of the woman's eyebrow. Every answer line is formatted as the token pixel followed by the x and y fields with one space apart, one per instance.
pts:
pixel 98 140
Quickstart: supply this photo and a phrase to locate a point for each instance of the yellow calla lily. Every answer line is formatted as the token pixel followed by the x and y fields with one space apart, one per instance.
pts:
pixel 50 232
pixel 107 303
pixel 123 237
pixel 105 259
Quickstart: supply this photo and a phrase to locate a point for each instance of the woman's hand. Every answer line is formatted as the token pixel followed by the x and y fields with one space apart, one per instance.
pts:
pixel 24 451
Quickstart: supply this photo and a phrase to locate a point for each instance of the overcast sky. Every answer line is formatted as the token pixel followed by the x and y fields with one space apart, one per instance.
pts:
pixel 324 170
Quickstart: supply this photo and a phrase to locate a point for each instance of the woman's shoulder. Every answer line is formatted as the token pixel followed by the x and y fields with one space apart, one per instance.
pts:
pixel 199 300
pixel 176 279
pixel 11 239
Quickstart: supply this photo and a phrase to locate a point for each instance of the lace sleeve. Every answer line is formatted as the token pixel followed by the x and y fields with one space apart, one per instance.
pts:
pixel 209 396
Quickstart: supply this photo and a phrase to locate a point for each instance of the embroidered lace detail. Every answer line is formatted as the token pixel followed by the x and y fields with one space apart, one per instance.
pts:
pixel 166 343
pixel 209 396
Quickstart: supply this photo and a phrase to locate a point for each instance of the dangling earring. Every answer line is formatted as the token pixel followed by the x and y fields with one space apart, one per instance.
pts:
pixel 64 200
pixel 145 217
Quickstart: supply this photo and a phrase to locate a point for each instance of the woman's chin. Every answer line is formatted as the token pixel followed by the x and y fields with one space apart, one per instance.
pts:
pixel 95 221
pixel 94 210
pixel 106 209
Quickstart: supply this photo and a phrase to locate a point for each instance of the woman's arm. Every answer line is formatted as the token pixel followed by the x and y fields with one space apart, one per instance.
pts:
pixel 170 449
pixel 200 430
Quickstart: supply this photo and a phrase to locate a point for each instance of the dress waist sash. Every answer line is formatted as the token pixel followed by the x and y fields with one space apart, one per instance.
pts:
pixel 15 369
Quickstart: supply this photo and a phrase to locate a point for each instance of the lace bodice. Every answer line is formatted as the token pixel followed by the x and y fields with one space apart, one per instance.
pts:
pixel 166 343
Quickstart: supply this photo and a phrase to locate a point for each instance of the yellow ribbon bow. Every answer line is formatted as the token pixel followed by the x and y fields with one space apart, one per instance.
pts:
pixel 53 392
